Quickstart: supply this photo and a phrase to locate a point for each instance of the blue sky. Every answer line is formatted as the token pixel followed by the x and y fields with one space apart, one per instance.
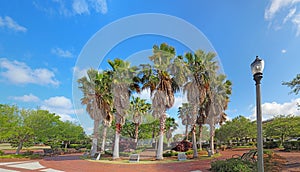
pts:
pixel 41 43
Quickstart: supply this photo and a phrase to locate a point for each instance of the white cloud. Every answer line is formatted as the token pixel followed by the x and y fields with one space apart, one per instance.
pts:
pixel 9 23
pixel 283 11
pixel 290 15
pixel 100 6
pixel 144 94
pixel 283 51
pixel 80 7
pixel 296 22
pixel 26 98
pixel 62 53
pixel 72 8
pixel 20 73
pixel 61 106
pixel 269 110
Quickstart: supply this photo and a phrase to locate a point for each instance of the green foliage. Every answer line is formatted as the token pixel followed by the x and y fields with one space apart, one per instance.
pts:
pixel 239 127
pixel 170 153
pixel 189 152
pixel 294 84
pixel 1 153
pixel 233 165
pixel 282 127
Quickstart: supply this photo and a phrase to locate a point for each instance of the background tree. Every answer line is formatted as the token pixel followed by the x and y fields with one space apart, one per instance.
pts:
pixel 9 118
pixel 294 85
pixel 282 127
pixel 138 108
pixel 171 126
pixel 184 113
pixel 239 127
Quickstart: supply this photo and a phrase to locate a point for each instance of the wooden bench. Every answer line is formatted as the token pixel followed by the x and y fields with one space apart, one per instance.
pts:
pixel 248 156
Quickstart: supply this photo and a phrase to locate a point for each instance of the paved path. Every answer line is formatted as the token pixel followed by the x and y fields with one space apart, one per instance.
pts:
pixel 24 166
pixel 73 163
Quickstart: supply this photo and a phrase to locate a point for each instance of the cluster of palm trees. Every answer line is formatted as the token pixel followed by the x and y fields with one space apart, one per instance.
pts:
pixel 106 94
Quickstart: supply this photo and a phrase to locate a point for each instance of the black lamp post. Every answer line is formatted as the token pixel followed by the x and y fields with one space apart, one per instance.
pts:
pixel 257 68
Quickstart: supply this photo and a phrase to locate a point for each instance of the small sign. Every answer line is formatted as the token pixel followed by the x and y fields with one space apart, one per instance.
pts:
pixel 181 156
pixel 97 156
pixel 134 158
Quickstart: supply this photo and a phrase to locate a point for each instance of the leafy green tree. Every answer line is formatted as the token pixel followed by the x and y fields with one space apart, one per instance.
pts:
pixel 294 84
pixel 70 133
pixel 239 127
pixel 282 127
pixel 9 118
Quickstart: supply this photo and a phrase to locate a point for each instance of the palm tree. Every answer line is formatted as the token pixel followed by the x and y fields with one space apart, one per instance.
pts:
pixel 123 77
pixel 97 98
pixel 171 126
pixel 162 86
pixel 219 95
pixel 197 86
pixel 184 113
pixel 138 108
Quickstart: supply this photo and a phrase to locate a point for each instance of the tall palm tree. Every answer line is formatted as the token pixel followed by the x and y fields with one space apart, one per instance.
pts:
pixel 171 126
pixel 138 108
pixel 159 80
pixel 123 77
pixel 196 88
pixel 219 95
pixel 97 98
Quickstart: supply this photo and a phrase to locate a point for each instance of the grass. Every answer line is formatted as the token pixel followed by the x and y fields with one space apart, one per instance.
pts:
pixel 7 146
pixel 20 156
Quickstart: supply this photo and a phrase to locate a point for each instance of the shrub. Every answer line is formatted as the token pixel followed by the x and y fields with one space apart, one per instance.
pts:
pixel 183 146
pixel 170 153
pixel 189 152
pixel 1 153
pixel 232 165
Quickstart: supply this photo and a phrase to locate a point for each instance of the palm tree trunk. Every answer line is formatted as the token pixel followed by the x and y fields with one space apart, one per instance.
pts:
pixel 212 134
pixel 159 153
pixel 136 133
pixel 117 141
pixel 195 155
pixel 104 138
pixel 200 136
pixel 95 137
pixel 186 132
pixel 19 147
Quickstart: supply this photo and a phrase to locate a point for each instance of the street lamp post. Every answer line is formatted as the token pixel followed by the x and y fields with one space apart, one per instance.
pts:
pixel 257 68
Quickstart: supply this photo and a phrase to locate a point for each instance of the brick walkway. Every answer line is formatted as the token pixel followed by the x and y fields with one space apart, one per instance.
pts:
pixel 73 163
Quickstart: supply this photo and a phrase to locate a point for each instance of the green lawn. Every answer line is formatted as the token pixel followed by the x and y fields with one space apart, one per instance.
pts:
pixel 6 146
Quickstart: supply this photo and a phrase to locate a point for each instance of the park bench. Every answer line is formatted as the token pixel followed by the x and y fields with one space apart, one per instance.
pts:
pixel 248 156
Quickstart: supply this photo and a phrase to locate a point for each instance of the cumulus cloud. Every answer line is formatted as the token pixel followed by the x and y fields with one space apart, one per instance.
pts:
pixel 62 53
pixel 269 110
pixel 283 11
pixel 20 73
pixel 61 106
pixel 283 51
pixel 26 98
pixel 8 22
